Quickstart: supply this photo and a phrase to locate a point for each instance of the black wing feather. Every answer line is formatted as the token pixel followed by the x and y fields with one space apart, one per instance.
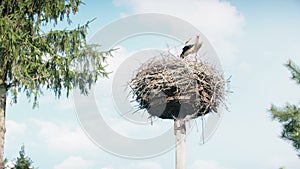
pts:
pixel 184 49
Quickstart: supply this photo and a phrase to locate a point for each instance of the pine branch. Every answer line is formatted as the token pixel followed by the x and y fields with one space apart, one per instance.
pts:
pixel 295 70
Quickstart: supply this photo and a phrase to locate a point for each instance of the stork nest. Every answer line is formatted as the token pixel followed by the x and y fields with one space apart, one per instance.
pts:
pixel 174 88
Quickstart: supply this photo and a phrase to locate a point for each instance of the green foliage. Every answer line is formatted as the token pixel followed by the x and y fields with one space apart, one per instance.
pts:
pixel 289 115
pixel 58 60
pixel 23 161
pixel 295 70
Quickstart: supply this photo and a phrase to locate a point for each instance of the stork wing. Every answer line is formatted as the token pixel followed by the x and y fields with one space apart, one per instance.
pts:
pixel 187 41
pixel 185 48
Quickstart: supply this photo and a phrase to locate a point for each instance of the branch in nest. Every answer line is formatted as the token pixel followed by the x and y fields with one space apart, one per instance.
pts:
pixel 188 89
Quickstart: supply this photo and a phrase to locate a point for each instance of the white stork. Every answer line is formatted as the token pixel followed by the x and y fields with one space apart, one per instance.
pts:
pixel 191 47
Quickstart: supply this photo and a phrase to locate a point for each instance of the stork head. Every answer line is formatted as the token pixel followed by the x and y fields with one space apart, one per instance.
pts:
pixel 198 38
pixel 198 41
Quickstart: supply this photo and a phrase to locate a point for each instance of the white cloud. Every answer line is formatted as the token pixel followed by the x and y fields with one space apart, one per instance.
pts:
pixel 64 137
pixel 277 160
pixel 219 20
pixel 145 165
pixel 74 163
pixel 139 165
pixel 139 129
pixel 119 56
pixel 14 130
pixel 9 164
pixel 66 104
pixel 104 86
pixel 207 164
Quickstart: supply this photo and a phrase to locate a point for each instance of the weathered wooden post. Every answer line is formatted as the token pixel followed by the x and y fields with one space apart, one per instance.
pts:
pixel 180 133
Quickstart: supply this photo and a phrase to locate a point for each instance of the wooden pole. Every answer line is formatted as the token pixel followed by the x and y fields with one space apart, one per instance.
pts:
pixel 180 133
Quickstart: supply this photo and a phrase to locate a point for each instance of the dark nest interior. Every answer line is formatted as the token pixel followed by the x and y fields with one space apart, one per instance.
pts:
pixel 169 87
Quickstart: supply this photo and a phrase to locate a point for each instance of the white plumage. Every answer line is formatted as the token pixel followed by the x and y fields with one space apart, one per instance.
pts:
pixel 192 46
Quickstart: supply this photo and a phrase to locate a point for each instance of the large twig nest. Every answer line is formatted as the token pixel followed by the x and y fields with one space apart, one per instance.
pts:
pixel 173 88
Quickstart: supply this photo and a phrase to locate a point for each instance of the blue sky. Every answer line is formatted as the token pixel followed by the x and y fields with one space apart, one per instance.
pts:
pixel 252 39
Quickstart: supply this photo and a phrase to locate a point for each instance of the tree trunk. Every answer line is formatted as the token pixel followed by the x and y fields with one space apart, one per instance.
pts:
pixel 3 91
pixel 180 132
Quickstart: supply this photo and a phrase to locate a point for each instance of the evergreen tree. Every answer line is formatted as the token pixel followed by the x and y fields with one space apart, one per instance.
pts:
pixel 23 161
pixel 32 60
pixel 289 115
